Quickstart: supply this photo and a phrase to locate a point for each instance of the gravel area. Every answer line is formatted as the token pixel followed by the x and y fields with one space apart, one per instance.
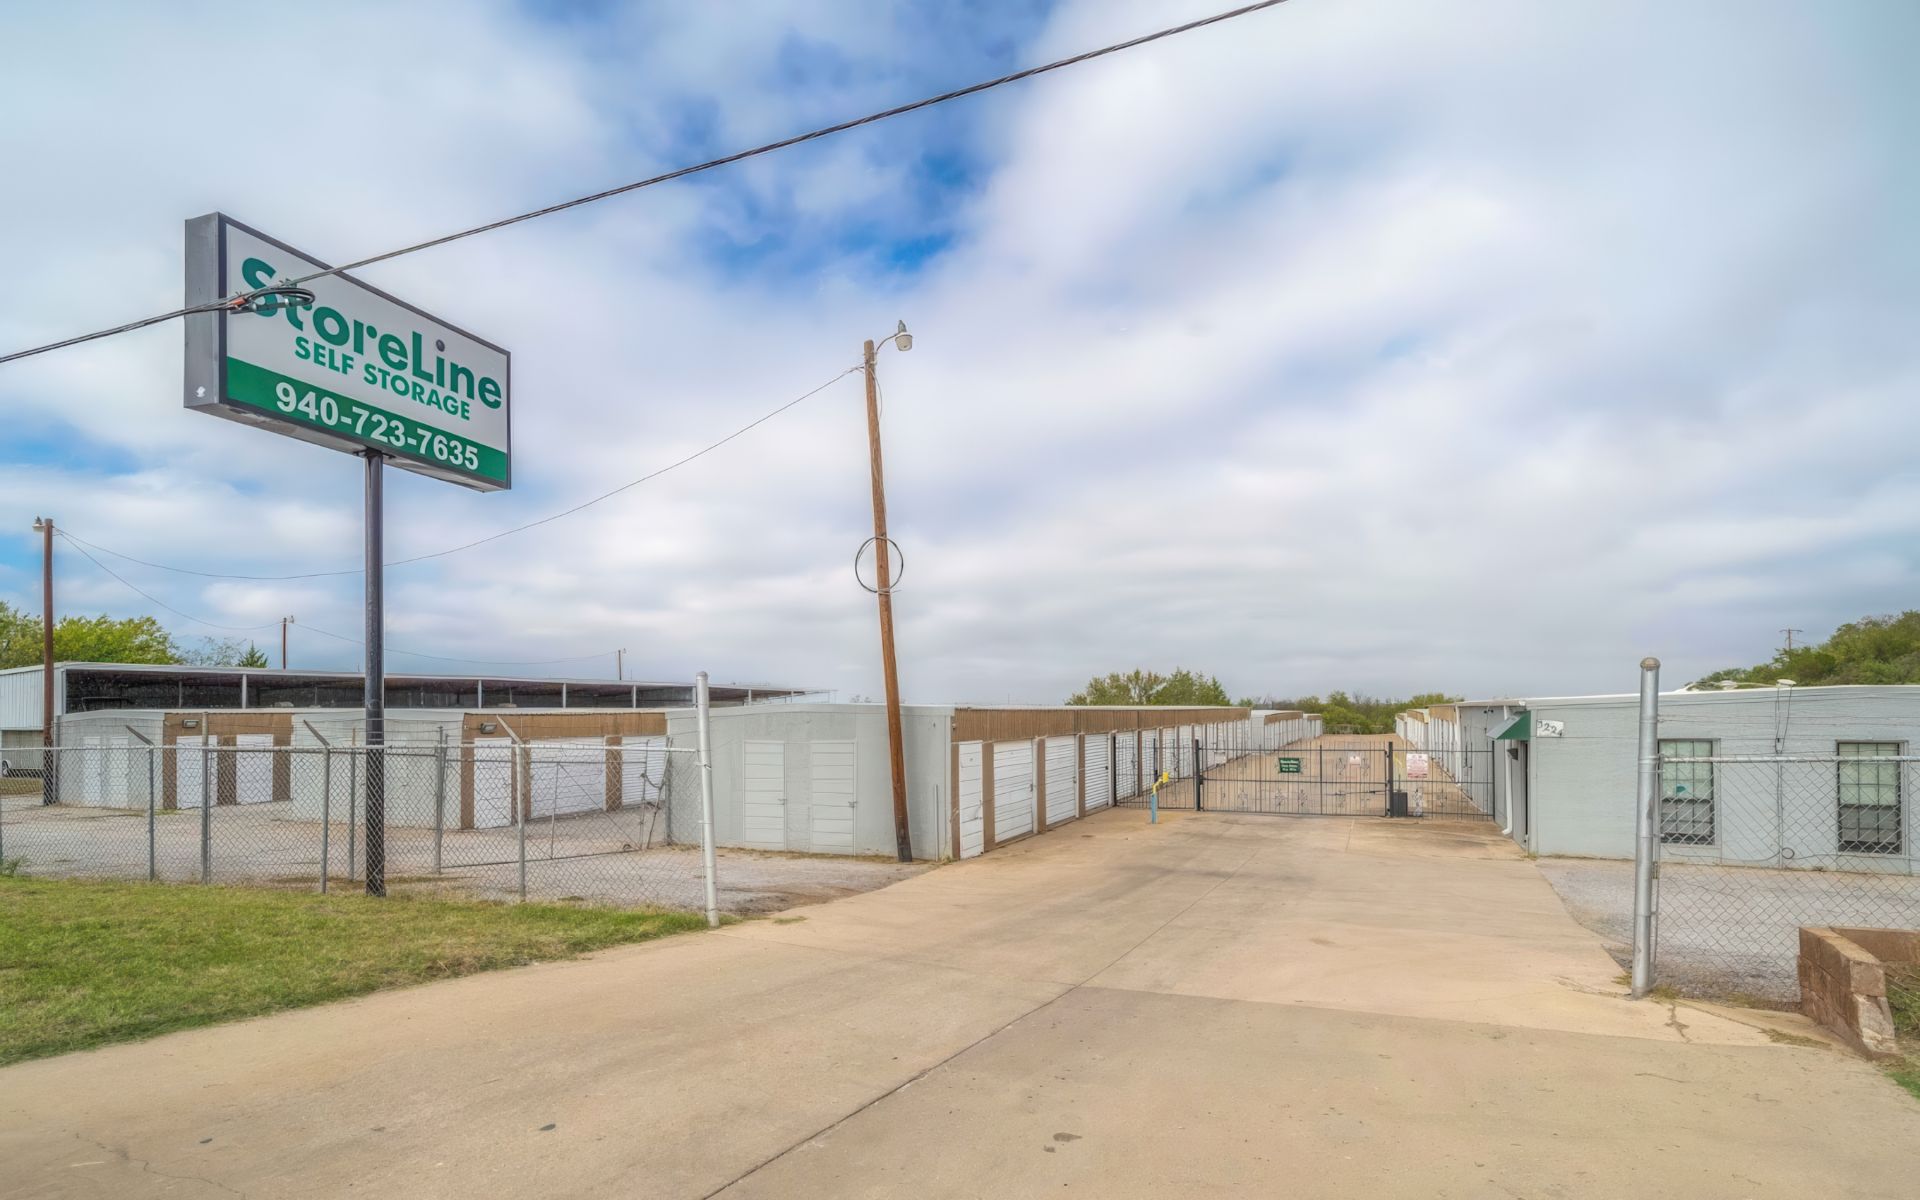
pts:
pixel 609 858
pixel 1730 931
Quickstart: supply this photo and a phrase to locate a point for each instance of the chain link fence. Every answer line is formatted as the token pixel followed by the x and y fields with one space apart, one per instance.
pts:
pixel 604 820
pixel 1751 848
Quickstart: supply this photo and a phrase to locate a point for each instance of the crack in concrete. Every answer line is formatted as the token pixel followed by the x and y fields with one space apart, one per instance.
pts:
pixel 1674 1021
pixel 146 1167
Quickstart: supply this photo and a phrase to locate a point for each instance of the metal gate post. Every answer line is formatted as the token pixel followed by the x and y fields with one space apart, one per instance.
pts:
pixel 326 816
pixel 1199 774
pixel 206 805
pixel 439 798
pixel 1647 845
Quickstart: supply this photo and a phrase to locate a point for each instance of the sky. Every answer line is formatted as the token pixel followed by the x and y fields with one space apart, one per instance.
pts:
pixel 1383 345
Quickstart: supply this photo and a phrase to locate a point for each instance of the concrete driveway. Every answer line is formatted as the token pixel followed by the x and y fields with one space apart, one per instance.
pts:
pixel 1215 1005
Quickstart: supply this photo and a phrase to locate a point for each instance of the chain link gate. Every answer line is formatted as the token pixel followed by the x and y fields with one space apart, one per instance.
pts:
pixel 1338 775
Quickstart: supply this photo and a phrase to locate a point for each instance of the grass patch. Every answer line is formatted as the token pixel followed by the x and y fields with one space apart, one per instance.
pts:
pixel 1903 997
pixel 83 964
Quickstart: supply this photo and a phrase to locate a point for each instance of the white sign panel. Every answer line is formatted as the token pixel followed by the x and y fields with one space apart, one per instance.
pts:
pixel 1416 765
pixel 357 369
pixel 1547 729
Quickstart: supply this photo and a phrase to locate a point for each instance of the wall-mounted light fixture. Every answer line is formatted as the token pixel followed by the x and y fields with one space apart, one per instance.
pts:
pixel 487 727
pixel 190 723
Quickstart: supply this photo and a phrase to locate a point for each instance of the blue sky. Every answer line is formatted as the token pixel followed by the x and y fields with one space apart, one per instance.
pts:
pixel 1362 343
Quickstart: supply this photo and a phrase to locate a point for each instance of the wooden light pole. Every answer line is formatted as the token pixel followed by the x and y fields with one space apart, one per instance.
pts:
pixel 883 585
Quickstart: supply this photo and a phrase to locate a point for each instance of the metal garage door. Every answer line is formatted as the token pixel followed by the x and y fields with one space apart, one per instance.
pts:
pixel 643 770
pixel 1099 774
pixel 189 771
pixel 1012 790
pixel 493 790
pixel 763 815
pixel 832 799
pixel 972 808
pixel 253 768
pixel 564 778
pixel 1063 780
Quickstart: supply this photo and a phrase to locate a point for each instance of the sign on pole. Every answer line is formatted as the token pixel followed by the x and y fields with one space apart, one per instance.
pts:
pixel 357 370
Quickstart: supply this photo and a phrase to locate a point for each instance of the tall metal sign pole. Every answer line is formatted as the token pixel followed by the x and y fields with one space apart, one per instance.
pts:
pixel 375 695
pixel 883 584
pixel 344 365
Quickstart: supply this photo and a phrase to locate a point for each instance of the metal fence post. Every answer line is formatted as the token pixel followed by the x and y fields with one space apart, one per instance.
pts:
pixel 707 855
pixel 206 802
pixel 148 743
pixel 326 804
pixel 439 798
pixel 1647 828
pixel 353 819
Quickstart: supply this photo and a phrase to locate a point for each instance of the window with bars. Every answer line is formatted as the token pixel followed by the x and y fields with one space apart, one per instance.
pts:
pixel 1686 793
pixel 1868 785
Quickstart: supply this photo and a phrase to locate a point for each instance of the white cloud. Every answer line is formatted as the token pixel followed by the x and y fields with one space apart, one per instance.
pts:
pixel 1369 344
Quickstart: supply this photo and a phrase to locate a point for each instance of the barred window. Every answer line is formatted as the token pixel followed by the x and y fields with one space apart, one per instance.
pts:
pixel 1869 793
pixel 1686 793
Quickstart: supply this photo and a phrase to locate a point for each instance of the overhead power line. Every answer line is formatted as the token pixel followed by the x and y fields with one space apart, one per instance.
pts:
pixel 710 164
pixel 187 616
pixel 492 537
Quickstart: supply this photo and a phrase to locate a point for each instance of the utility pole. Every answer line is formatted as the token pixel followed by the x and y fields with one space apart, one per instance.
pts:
pixel 619 664
pixel 47 767
pixel 883 581
pixel 284 622
pixel 1790 633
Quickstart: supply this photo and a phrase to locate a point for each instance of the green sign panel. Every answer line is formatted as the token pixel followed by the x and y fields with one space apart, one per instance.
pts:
pixel 1289 766
pixel 357 370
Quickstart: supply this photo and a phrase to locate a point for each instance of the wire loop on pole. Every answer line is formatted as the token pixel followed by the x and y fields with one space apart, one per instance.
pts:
pixel 900 570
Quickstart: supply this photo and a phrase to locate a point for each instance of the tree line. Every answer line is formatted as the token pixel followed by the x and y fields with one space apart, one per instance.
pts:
pixel 1882 649
pixel 115 640
pixel 1187 688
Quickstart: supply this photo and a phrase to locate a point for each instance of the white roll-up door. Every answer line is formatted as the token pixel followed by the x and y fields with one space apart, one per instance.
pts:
pixel 1149 758
pixel 253 768
pixel 189 773
pixel 1012 790
pixel 643 770
pixel 973 829
pixel 1099 770
pixel 763 817
pixel 564 778
pixel 1063 780
pixel 493 782
pixel 832 800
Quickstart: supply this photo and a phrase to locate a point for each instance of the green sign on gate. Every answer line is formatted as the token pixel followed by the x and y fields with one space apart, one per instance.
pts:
pixel 1289 766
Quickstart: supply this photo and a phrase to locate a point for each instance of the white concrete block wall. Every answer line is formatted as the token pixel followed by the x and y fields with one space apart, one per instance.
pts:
pixel 1581 790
